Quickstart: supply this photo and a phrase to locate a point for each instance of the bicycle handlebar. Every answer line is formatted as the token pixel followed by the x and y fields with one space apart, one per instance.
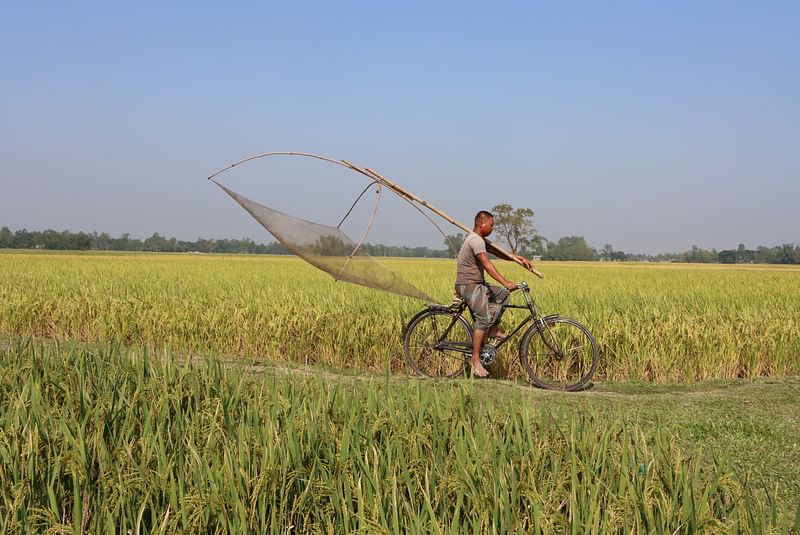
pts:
pixel 521 286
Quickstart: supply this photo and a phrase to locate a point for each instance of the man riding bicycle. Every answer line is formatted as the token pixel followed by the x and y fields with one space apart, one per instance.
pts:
pixel 484 300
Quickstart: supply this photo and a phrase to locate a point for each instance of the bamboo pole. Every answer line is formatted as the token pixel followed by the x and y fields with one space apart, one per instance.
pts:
pixel 410 196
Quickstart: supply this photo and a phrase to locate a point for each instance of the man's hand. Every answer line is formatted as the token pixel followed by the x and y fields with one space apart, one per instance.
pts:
pixel 524 261
pixel 510 286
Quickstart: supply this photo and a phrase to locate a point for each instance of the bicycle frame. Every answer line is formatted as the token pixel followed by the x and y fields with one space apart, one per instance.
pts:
pixel 530 305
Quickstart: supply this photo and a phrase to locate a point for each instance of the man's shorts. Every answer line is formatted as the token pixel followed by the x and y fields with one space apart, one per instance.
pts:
pixel 485 301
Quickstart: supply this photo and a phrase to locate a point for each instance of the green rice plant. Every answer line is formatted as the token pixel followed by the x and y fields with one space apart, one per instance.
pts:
pixel 101 440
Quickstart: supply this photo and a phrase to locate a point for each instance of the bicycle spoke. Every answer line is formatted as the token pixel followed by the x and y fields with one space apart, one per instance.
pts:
pixel 562 356
pixel 427 352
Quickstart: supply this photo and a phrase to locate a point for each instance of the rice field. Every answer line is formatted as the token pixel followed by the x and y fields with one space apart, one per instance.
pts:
pixel 654 322
pixel 101 440
pixel 144 411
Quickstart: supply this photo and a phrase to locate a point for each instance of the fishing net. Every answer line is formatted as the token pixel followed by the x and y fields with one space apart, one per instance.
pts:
pixel 328 248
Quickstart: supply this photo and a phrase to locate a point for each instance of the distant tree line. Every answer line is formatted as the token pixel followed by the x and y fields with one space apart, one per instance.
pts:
pixel 576 248
pixel 84 241
pixel 380 249
pixel 513 228
pixel 566 248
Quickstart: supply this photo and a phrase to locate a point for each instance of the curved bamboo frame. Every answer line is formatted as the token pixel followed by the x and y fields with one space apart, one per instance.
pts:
pixel 376 177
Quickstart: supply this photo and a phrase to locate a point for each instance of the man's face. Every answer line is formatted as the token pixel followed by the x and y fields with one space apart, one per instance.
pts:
pixel 487 226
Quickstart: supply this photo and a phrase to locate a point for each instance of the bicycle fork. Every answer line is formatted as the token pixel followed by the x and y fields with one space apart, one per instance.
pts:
pixel 541 323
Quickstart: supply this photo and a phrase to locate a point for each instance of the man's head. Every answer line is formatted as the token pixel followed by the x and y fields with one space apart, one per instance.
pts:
pixel 484 223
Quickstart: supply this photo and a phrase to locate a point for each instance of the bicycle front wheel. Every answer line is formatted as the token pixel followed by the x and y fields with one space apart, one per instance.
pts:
pixel 559 354
pixel 434 343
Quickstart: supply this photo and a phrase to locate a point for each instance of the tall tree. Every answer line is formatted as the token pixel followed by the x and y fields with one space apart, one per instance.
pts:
pixel 785 254
pixel 453 243
pixel 6 238
pixel 740 253
pixel 23 239
pixel 570 248
pixel 515 226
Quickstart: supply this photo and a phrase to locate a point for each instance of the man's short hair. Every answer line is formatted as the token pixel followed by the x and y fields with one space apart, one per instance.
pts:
pixel 483 215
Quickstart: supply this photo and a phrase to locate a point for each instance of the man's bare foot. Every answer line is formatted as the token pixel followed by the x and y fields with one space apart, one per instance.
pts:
pixel 479 371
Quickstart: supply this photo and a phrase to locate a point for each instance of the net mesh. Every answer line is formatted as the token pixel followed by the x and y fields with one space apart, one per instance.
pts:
pixel 328 248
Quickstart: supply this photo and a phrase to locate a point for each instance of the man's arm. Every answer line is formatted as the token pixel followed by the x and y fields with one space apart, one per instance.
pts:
pixel 499 253
pixel 483 259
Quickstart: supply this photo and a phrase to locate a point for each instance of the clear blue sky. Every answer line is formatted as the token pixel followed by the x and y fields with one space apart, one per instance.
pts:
pixel 650 126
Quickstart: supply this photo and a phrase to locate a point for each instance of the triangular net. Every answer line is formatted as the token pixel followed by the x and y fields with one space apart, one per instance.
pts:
pixel 328 248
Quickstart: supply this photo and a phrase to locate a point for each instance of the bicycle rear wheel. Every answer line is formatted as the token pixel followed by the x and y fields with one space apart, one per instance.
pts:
pixel 561 354
pixel 431 349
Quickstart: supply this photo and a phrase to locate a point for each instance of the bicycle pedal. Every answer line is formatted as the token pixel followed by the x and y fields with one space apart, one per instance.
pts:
pixel 488 354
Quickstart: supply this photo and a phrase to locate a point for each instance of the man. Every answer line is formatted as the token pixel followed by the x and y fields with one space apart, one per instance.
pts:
pixel 484 300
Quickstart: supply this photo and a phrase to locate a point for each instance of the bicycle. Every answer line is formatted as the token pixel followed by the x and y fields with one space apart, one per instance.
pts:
pixel 558 353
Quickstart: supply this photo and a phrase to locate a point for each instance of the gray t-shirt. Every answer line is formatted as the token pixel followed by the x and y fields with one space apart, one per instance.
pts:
pixel 468 270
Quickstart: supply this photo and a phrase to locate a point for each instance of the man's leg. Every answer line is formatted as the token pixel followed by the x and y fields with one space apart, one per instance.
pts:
pixel 478 336
pixel 475 295
pixel 495 332
pixel 498 297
